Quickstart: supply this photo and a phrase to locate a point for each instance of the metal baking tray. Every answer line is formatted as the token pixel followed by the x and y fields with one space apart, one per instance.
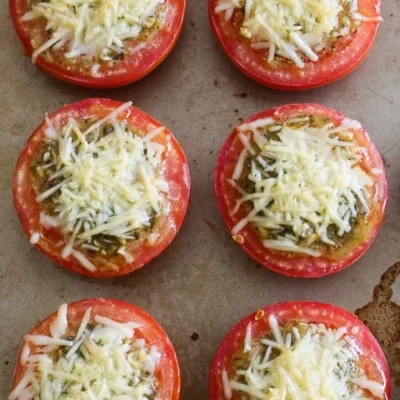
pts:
pixel 203 283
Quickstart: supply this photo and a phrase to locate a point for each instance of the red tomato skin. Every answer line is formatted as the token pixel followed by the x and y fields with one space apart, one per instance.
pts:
pixel 124 73
pixel 314 74
pixel 167 373
pixel 312 312
pixel 28 209
pixel 297 266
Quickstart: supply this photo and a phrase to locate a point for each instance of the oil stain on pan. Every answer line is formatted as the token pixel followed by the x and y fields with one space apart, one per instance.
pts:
pixel 382 316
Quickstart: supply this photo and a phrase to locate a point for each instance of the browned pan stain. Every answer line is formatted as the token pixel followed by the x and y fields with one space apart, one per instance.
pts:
pixel 211 224
pixel 242 95
pixel 382 316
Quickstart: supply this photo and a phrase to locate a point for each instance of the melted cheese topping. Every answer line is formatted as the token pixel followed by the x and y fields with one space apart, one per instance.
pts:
pixel 112 185
pixel 92 28
pixel 105 360
pixel 295 29
pixel 310 362
pixel 306 180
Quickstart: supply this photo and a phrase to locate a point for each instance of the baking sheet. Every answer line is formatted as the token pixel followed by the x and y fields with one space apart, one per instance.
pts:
pixel 203 283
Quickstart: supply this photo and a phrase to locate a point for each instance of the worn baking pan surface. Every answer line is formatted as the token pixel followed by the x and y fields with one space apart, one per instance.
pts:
pixel 202 284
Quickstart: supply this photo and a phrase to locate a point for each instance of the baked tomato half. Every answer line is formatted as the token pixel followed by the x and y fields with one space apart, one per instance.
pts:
pixel 295 45
pixel 302 189
pixel 97 348
pixel 101 187
pixel 98 44
pixel 299 350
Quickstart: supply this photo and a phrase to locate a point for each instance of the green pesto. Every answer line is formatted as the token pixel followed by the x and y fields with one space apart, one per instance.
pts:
pixel 312 242
pixel 62 351
pixel 41 170
pixel 241 360
pixel 84 64
pixel 336 42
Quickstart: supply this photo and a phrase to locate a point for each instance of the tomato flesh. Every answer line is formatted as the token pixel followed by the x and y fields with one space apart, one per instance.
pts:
pixel 371 359
pixel 327 69
pixel 167 372
pixel 132 68
pixel 176 173
pixel 292 264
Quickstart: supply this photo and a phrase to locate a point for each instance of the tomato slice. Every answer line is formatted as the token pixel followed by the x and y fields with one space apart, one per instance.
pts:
pixel 292 264
pixel 132 68
pixel 176 173
pixel 167 372
pixel 347 56
pixel 371 359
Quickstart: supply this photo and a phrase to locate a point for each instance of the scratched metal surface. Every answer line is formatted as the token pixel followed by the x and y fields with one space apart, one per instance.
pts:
pixel 203 283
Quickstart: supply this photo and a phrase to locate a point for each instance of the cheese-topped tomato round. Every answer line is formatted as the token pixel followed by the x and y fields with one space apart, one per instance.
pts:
pixel 295 45
pixel 98 43
pixel 302 189
pixel 101 187
pixel 300 350
pixel 97 349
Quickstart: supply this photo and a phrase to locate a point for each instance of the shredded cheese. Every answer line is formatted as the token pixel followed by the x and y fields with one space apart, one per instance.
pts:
pixel 92 28
pixel 112 185
pixel 305 180
pixel 307 361
pixel 60 324
pixel 35 238
pixel 105 360
pixel 296 30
